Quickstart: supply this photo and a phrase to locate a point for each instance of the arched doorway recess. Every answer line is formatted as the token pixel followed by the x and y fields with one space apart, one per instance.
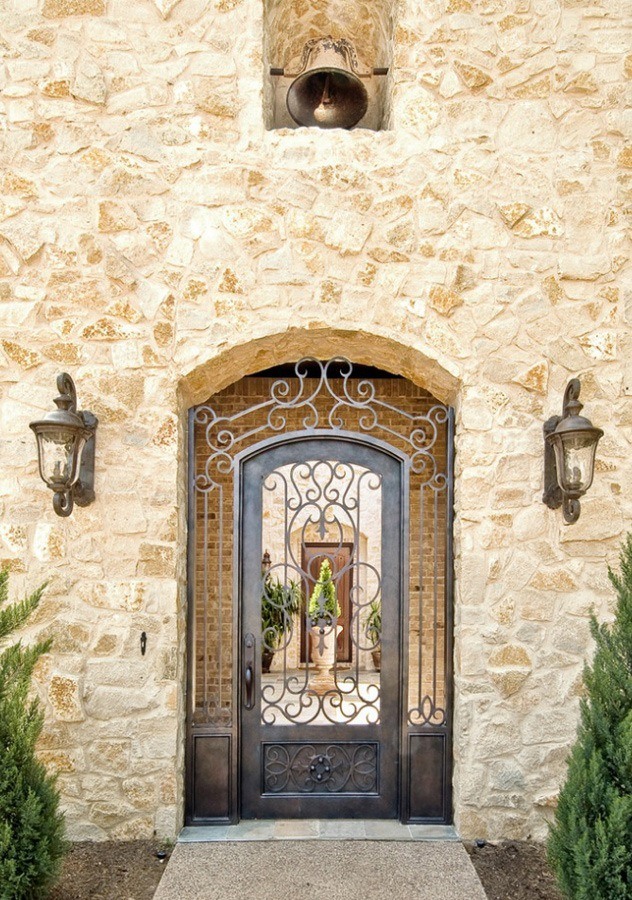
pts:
pixel 299 466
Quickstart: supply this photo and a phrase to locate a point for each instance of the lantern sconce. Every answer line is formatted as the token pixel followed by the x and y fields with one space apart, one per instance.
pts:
pixel 65 449
pixel 570 443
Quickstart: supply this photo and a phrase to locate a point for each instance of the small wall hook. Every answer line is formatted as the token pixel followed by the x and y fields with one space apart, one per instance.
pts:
pixel 143 642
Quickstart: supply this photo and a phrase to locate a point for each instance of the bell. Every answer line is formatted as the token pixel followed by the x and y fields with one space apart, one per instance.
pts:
pixel 328 92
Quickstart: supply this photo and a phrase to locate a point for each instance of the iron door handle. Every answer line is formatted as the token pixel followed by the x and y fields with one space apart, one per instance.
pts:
pixel 249 671
pixel 249 681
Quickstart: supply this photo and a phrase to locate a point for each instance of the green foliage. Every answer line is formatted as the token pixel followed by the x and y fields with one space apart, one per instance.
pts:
pixel 374 623
pixel 278 604
pixel 324 587
pixel 31 827
pixel 590 846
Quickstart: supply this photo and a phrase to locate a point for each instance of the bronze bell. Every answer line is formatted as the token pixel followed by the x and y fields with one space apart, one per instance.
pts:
pixel 328 91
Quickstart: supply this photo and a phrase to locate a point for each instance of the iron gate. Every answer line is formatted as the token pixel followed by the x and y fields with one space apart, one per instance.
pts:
pixel 355 469
pixel 320 739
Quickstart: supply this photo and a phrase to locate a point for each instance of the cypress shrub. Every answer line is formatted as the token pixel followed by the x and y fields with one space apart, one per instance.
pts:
pixel 31 827
pixel 323 604
pixel 590 845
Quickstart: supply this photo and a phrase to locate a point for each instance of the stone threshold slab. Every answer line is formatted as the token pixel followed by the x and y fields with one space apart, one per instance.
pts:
pixel 317 829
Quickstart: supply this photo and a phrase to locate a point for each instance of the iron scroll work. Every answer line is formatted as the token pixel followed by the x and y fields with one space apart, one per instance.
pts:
pixel 320 399
pixel 333 768
pixel 224 438
pixel 324 498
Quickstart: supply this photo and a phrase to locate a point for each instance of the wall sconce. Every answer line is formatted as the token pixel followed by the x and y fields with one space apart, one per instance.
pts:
pixel 570 442
pixel 65 449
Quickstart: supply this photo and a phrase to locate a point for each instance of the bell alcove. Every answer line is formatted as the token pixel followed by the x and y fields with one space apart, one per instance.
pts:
pixel 327 64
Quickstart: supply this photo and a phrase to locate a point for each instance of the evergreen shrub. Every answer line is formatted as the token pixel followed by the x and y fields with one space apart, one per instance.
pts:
pixel 31 827
pixel 590 845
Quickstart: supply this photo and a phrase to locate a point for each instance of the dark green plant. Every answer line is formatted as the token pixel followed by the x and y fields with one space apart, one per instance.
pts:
pixel 279 603
pixel 325 587
pixel 374 623
pixel 31 827
pixel 590 845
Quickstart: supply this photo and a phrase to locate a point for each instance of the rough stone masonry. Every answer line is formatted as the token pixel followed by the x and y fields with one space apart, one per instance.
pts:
pixel 159 242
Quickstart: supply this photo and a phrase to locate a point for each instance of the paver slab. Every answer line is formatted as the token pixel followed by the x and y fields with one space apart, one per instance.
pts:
pixel 321 829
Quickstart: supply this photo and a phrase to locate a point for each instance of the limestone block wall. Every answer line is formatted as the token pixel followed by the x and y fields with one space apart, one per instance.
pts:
pixel 159 243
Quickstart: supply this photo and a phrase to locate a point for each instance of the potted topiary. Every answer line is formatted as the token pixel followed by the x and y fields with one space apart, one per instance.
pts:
pixel 374 632
pixel 279 603
pixel 324 611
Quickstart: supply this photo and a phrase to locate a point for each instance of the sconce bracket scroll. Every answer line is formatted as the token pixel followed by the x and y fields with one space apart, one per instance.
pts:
pixel 552 496
pixel 83 491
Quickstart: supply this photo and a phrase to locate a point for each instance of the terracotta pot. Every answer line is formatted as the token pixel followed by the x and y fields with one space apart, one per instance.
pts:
pixel 377 659
pixel 266 660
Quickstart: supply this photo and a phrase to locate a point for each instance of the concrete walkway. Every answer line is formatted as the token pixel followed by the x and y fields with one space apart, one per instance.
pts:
pixel 324 869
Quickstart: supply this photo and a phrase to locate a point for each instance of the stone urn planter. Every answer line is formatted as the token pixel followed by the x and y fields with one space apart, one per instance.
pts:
pixel 323 643
pixel 324 611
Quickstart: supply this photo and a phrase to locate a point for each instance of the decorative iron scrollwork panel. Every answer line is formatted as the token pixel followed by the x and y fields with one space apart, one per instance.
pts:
pixel 321 581
pixel 327 402
pixel 321 397
pixel 348 768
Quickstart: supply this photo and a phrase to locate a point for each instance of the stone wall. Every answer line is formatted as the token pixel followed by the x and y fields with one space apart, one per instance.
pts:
pixel 159 243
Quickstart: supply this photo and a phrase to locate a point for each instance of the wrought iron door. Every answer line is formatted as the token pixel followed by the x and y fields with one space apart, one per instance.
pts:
pixel 320 456
pixel 320 738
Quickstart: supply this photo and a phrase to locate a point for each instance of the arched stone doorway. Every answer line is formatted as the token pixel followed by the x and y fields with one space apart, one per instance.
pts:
pixel 338 739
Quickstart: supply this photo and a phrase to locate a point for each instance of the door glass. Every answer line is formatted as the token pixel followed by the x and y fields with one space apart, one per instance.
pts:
pixel 321 602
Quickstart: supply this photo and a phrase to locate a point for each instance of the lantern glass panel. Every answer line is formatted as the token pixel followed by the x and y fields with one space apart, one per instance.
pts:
pixel 60 456
pixel 575 458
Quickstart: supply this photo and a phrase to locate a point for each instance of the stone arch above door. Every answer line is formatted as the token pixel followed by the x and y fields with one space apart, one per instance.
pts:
pixel 386 349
